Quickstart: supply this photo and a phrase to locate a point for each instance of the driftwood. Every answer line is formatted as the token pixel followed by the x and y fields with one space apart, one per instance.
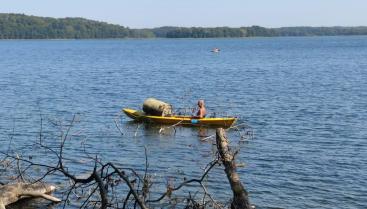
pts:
pixel 240 196
pixel 13 192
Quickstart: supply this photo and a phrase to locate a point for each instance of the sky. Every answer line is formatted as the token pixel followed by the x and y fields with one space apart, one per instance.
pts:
pixel 205 13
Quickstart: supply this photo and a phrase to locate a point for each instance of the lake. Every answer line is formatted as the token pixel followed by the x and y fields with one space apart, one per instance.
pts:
pixel 305 98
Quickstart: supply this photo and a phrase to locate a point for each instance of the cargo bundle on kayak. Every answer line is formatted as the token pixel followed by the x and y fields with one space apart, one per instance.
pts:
pixel 159 112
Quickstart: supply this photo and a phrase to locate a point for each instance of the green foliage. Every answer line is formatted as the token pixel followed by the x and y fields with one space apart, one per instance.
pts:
pixel 20 26
pixel 257 31
pixel 17 26
pixel 199 32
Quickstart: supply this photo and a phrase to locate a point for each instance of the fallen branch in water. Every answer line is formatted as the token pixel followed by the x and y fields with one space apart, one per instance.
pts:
pixel 13 192
pixel 108 185
pixel 240 196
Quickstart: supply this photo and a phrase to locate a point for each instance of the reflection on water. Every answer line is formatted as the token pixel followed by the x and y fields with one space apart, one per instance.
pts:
pixel 203 132
pixel 32 203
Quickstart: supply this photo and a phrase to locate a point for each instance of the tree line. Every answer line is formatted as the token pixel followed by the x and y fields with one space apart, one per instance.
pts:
pixel 20 26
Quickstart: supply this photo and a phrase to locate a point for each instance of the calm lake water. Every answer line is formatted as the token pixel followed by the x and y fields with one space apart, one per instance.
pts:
pixel 305 98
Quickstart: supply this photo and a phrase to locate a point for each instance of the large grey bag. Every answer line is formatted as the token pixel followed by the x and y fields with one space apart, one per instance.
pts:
pixel 156 107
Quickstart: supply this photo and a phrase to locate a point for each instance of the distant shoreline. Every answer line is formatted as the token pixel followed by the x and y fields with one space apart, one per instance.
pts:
pixel 26 27
pixel 137 39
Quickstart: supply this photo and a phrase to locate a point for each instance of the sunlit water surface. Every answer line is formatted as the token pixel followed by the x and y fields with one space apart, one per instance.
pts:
pixel 305 98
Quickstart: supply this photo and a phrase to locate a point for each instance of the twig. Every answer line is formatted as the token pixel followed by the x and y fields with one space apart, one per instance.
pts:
pixel 136 131
pixel 118 126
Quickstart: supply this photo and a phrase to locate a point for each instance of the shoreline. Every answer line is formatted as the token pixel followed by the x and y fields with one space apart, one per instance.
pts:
pixel 162 38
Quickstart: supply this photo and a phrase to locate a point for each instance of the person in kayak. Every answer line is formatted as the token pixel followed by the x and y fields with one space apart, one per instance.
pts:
pixel 202 111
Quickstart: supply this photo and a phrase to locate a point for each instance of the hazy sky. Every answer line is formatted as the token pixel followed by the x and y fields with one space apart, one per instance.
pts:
pixel 153 13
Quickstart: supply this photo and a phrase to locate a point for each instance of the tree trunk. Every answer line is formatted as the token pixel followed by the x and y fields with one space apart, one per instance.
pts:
pixel 240 196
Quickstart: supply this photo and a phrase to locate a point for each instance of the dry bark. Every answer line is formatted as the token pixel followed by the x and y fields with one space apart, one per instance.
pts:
pixel 13 192
pixel 240 196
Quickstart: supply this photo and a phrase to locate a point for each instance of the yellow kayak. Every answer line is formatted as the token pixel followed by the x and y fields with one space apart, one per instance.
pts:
pixel 179 119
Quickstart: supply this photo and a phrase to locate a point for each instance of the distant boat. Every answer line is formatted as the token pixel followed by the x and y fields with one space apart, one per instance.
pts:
pixel 216 50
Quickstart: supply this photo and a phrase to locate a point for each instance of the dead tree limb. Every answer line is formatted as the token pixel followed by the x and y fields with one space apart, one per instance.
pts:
pixel 101 186
pixel 14 192
pixel 240 196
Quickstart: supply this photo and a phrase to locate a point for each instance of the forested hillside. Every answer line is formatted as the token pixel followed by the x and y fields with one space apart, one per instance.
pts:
pixel 20 26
